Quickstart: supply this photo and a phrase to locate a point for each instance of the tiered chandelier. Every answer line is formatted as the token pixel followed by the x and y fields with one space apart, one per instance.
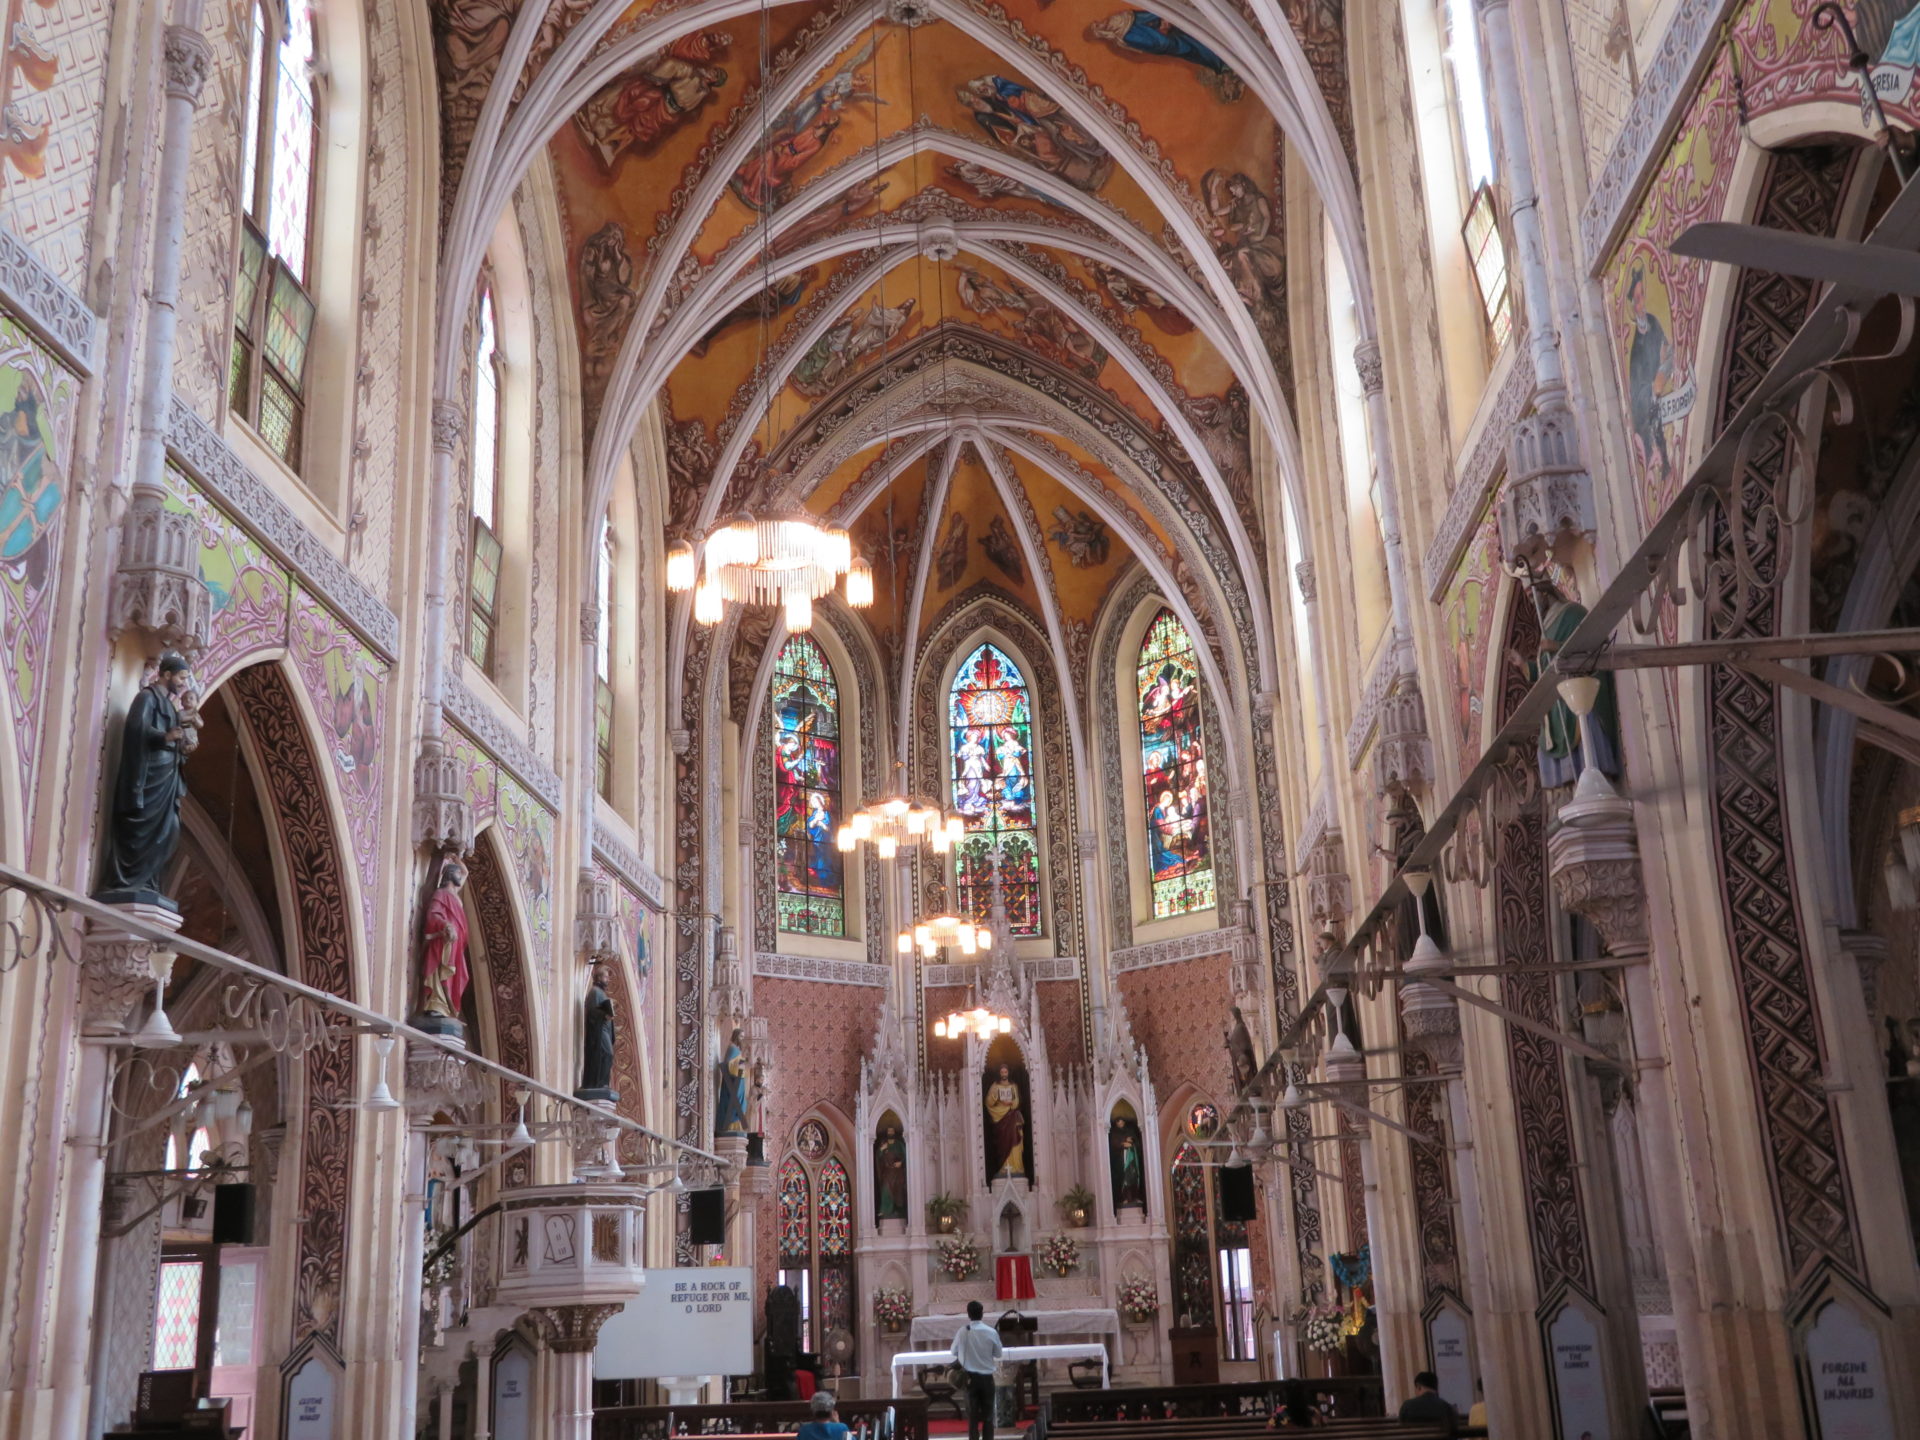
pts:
pixel 789 560
pixel 900 819
pixel 979 1021
pixel 942 931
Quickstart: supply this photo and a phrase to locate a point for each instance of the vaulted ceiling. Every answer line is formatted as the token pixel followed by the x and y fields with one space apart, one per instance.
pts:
pixel 1001 286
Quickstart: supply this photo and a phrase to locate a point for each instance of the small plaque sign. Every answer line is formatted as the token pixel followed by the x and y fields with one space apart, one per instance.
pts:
pixel 310 1401
pixel 1579 1377
pixel 513 1395
pixel 1447 1338
pixel 1849 1377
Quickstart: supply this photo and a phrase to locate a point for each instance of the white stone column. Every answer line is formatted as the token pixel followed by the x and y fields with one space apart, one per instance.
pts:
pixel 413 1259
pixel 483 1390
pixel 1366 359
pixel 118 967
pixel 158 589
pixel 442 819
pixel 571 1332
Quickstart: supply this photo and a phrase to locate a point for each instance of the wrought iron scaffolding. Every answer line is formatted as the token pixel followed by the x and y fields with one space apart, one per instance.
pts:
pixel 1721 496
pixel 290 1017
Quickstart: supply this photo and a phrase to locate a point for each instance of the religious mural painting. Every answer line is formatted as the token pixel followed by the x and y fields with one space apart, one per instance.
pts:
pixel 1173 766
pixel 809 868
pixel 1143 35
pixel 798 135
pixel 1029 123
pixel 36 401
pixel 992 752
pixel 657 97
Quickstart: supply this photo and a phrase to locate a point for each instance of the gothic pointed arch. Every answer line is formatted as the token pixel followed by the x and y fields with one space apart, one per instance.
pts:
pixel 501 994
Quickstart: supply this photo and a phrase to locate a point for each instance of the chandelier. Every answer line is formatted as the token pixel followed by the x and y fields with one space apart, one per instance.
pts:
pixel 789 560
pixel 942 931
pixel 979 1021
pixel 900 819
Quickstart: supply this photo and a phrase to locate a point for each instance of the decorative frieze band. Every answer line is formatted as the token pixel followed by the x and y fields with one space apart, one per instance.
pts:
pixel 198 450
pixel 1684 52
pixel 625 862
pixel 821 969
pixel 1228 940
pixel 1474 477
pixel 471 714
pixel 34 293
pixel 1047 967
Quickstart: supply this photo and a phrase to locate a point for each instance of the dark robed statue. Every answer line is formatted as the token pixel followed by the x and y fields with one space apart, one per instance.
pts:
pixel 1126 1164
pixel 145 826
pixel 596 1043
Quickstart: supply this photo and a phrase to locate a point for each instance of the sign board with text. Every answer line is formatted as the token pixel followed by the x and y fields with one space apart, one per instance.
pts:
pixel 513 1395
pixel 685 1322
pixel 310 1401
pixel 1849 1377
pixel 1579 1378
pixel 1452 1364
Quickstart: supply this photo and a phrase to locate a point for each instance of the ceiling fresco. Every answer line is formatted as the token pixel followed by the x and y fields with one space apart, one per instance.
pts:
pixel 998 284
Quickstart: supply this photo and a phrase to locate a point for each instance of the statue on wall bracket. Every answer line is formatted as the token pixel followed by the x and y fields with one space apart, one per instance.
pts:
pixel 596 1041
pixel 161 730
pixel 443 969
pixel 730 1104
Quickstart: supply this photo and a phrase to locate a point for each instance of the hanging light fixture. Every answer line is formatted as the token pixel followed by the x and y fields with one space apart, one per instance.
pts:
pixel 381 1098
pixel 941 932
pixel 158 1033
pixel 788 559
pixel 978 1021
pixel 898 820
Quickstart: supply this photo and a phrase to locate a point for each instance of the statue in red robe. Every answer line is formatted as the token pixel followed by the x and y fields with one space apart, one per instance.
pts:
pixel 443 977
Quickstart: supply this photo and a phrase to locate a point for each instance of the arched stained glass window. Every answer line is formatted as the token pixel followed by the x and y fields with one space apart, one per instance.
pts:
pixel 796 1213
pixel 811 879
pixel 992 721
pixel 1192 1258
pixel 1173 765
pixel 836 1212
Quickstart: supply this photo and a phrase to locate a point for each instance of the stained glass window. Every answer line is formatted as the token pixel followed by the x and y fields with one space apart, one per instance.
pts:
pixel 273 317
pixel 796 1213
pixel 1192 1239
pixel 176 1324
pixel 483 579
pixel 810 874
pixel 1173 764
pixel 836 1212
pixel 992 725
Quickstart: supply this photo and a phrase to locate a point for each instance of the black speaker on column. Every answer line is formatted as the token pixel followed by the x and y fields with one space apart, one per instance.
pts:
pixel 1236 1194
pixel 707 1216
pixel 233 1214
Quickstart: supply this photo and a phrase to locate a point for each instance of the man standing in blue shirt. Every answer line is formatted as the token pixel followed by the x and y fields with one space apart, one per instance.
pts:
pixel 977 1348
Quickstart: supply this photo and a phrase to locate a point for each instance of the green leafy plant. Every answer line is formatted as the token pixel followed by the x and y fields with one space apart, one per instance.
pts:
pixel 944 1211
pixel 1078 1198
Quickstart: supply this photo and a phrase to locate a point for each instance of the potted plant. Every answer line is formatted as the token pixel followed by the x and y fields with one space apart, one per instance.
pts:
pixel 959 1256
pixel 893 1308
pixel 1138 1300
pixel 1059 1254
pixel 945 1212
pixel 1077 1206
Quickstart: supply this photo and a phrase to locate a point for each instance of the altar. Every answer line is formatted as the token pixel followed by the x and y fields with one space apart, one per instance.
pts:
pixel 1012 1355
pixel 1051 1322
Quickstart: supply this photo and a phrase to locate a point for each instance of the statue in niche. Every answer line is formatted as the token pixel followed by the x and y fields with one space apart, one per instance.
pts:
pixel 730 1108
pixel 1246 1066
pixel 890 1174
pixel 1126 1164
pixel 160 731
pixel 1006 1123
pixel 596 1042
pixel 1560 738
pixel 443 973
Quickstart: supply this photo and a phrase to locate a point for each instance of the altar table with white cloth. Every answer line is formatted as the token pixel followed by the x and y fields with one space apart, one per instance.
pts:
pixel 1051 1322
pixel 1012 1355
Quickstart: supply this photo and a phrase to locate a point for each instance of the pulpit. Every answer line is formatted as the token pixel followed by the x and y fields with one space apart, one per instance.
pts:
pixel 1196 1355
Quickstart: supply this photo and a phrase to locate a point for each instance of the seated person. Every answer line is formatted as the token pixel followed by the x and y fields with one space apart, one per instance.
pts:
pixel 825 1424
pixel 1295 1415
pixel 1425 1406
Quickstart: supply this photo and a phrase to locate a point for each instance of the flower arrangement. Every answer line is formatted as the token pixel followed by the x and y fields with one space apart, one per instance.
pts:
pixel 892 1307
pixel 1059 1254
pixel 1323 1329
pixel 1138 1299
pixel 959 1256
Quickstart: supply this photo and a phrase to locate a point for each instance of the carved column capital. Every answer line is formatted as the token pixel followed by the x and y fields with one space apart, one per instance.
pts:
pixel 1304 576
pixel 157 590
pixel 1594 859
pixel 1402 751
pixel 571 1329
pixel 1546 503
pixel 117 968
pixel 188 60
pixel 596 924
pixel 1366 359
pixel 1431 1022
pixel 449 423
pixel 590 622
pixel 442 818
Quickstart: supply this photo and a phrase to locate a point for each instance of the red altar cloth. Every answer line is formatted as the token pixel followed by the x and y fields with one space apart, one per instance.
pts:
pixel 1013 1277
